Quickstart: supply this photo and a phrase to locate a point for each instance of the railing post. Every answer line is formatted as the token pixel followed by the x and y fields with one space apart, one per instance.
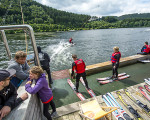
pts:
pixel 6 43
pixel 34 45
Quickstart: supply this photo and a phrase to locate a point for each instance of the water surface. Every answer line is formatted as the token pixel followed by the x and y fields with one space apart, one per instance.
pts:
pixel 93 46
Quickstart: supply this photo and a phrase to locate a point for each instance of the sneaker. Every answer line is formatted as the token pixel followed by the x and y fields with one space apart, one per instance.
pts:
pixel 53 114
pixel 111 77
pixel 76 90
pixel 115 79
pixel 88 88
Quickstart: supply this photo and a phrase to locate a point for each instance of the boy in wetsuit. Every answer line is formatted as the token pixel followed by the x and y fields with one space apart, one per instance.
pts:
pixel 115 59
pixel 79 66
pixel 70 41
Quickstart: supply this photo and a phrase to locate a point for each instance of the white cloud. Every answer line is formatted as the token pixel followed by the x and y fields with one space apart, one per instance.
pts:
pixel 100 7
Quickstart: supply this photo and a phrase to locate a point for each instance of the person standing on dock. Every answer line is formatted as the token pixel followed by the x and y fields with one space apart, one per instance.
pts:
pixel 115 59
pixel 45 60
pixel 79 66
pixel 70 41
pixel 22 68
pixel 145 49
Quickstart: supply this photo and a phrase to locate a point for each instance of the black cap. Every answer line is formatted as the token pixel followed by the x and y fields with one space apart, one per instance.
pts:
pixel 6 73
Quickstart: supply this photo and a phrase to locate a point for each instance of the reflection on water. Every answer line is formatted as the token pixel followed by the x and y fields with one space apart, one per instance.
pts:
pixel 93 46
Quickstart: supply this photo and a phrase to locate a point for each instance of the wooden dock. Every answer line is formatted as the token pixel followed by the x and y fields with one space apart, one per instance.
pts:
pixel 33 107
pixel 70 112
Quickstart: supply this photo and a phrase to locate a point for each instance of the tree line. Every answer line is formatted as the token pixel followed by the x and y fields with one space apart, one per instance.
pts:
pixel 112 22
pixel 45 19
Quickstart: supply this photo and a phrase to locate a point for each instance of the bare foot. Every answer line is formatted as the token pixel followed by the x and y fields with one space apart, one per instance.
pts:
pixel 24 96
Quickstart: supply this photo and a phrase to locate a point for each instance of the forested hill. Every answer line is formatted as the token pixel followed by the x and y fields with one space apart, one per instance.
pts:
pixel 36 13
pixel 135 16
pixel 44 19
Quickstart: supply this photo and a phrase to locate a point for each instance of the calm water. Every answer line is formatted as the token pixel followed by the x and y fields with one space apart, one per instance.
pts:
pixel 93 46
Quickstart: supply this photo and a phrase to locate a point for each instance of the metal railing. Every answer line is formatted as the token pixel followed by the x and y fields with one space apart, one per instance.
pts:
pixel 20 27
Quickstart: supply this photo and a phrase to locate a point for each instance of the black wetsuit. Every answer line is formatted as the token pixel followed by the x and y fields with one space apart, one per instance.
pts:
pixel 45 60
pixel 83 75
pixel 115 70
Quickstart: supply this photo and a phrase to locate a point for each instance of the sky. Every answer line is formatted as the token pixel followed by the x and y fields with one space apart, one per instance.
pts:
pixel 100 7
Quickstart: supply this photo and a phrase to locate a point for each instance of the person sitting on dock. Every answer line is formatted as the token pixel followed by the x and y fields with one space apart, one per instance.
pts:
pixel 8 93
pixel 115 59
pixel 145 49
pixel 70 41
pixel 41 87
pixel 45 60
pixel 22 68
pixel 79 66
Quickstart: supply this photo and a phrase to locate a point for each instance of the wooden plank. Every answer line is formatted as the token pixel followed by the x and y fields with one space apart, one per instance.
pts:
pixel 143 100
pixel 77 116
pixel 134 105
pixel 71 116
pixel 65 117
pixel 60 118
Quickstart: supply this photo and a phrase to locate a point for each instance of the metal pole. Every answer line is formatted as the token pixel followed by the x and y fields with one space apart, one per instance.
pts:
pixel 6 43
pixel 34 45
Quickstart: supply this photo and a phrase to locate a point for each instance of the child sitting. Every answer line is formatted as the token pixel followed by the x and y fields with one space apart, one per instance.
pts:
pixel 42 89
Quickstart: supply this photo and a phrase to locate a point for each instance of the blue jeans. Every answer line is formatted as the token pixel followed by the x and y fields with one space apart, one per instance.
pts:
pixel 16 81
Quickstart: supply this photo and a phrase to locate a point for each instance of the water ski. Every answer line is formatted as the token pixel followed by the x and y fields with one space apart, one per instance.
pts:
pixel 72 44
pixel 144 61
pixel 147 81
pixel 144 93
pixel 80 96
pixel 111 80
pixel 90 91
pixel 108 78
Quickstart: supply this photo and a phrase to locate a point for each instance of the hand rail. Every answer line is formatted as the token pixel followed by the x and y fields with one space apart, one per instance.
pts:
pixel 20 27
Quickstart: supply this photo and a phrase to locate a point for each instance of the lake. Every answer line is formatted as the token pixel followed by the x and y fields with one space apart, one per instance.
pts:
pixel 93 46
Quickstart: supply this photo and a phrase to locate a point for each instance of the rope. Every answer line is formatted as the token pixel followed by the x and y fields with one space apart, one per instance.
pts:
pixel 26 41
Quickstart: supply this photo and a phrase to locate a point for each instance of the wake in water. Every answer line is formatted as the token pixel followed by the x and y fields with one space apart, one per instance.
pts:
pixel 60 55
pixel 58 49
pixel 147 30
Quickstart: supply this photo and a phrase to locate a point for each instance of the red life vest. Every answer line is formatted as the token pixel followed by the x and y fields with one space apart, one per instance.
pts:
pixel 80 66
pixel 70 40
pixel 113 60
pixel 147 49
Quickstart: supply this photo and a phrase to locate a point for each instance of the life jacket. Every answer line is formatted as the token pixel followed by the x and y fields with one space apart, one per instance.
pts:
pixel 80 66
pixel 70 40
pixel 147 49
pixel 113 60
